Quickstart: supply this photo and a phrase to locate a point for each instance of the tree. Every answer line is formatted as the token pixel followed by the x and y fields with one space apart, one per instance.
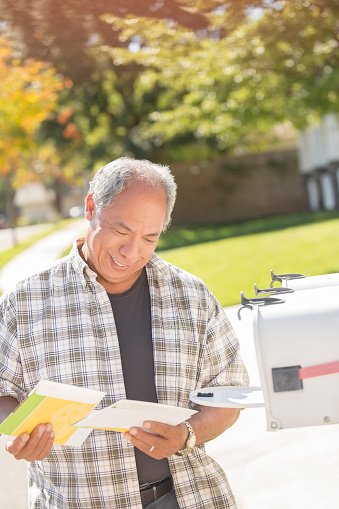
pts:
pixel 182 79
pixel 64 31
pixel 29 92
pixel 294 53
pixel 189 89
pixel 231 92
pixel 111 100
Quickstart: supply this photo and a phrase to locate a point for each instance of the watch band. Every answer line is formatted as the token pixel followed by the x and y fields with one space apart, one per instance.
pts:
pixel 190 442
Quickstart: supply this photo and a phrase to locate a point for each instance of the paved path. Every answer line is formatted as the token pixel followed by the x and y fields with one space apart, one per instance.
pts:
pixel 22 233
pixel 287 469
pixel 40 255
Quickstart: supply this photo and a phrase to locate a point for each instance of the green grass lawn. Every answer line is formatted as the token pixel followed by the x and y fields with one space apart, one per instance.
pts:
pixel 308 244
pixel 231 258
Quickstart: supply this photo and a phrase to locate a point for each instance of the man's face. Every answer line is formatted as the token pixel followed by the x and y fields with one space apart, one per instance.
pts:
pixel 120 240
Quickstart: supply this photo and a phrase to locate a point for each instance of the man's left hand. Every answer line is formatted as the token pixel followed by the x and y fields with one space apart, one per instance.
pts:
pixel 166 441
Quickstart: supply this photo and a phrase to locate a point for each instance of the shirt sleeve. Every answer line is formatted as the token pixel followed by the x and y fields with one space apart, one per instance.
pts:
pixel 11 379
pixel 222 359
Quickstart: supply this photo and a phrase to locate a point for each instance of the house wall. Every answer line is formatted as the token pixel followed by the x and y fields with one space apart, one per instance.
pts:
pixel 35 203
pixel 239 188
pixel 219 191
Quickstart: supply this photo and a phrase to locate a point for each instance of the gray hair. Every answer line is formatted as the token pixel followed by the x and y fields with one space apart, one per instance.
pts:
pixel 111 179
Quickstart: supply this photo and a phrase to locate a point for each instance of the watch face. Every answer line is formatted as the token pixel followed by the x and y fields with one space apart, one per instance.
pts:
pixel 191 441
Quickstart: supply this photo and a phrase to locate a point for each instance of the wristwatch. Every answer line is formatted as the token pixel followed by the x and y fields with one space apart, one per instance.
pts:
pixel 190 442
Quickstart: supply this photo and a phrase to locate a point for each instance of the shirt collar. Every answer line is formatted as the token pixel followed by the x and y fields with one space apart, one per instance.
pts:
pixel 80 266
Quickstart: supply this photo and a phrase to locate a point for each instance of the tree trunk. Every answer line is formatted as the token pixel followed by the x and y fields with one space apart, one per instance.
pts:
pixel 10 209
pixel 58 189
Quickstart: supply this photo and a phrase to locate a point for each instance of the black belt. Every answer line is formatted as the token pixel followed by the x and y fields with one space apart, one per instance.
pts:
pixel 152 491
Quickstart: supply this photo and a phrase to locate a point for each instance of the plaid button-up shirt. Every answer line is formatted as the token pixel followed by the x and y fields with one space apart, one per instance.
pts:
pixel 58 325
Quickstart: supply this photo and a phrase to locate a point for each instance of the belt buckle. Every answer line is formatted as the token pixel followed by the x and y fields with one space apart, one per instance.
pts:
pixel 155 494
pixel 145 486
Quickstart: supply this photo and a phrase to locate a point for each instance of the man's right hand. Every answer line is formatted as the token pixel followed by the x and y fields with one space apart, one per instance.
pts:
pixel 33 447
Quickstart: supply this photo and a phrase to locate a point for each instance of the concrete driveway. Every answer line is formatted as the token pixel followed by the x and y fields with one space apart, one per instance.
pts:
pixel 286 469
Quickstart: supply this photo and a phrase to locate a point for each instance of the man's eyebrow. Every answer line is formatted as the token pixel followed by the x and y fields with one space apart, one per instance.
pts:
pixel 152 234
pixel 122 225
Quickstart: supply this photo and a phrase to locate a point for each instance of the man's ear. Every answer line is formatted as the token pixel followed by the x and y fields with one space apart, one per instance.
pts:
pixel 89 207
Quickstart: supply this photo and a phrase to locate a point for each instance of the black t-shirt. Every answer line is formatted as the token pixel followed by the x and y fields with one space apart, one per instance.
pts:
pixel 132 315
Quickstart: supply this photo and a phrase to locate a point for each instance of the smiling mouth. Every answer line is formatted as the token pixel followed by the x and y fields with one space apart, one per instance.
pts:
pixel 118 264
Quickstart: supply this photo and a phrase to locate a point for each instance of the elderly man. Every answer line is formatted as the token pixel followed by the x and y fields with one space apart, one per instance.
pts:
pixel 113 316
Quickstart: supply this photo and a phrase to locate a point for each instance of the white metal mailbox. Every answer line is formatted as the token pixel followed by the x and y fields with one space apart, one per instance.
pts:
pixel 297 348
pixel 296 337
pixel 311 282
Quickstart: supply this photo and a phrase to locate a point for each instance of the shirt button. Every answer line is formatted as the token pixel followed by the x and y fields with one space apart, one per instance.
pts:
pixel 102 300
pixel 108 333
pixel 130 483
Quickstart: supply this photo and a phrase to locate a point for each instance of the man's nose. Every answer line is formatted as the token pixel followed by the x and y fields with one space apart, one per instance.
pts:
pixel 130 249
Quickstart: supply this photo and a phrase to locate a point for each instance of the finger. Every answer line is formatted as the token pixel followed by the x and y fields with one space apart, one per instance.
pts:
pixel 162 429
pixel 17 445
pixel 43 446
pixel 153 445
pixel 46 449
pixel 142 440
pixel 34 446
pixel 31 443
pixel 139 438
